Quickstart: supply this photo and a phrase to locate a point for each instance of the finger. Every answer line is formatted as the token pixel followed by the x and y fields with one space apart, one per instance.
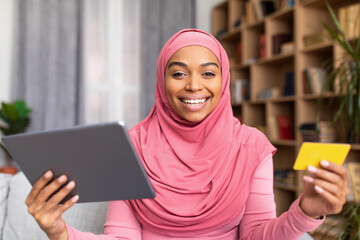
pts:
pixel 47 191
pixel 64 207
pixel 326 175
pixel 331 199
pixel 332 188
pixel 39 184
pixel 335 168
pixel 54 201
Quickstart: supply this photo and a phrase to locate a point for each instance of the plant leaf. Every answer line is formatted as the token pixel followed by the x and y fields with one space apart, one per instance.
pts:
pixel 338 27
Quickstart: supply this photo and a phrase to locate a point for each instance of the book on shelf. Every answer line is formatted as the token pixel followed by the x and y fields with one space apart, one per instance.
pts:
pixel 269 93
pixel 314 80
pixel 315 38
pixel 240 91
pixel 261 8
pixel 262 44
pixel 354 174
pixel 287 47
pixel 250 13
pixel 284 176
pixel 349 17
pixel 279 39
pixel 267 7
pixel 272 129
pixel 239 52
pixel 289 89
pixel 285 125
pixel 323 131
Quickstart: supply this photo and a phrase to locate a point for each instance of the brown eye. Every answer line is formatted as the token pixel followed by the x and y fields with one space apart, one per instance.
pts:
pixel 209 74
pixel 178 74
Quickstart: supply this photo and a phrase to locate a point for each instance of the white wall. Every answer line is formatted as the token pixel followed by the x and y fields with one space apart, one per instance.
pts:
pixel 6 39
pixel 203 13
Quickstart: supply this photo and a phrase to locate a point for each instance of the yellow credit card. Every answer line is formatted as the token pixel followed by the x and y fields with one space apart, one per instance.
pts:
pixel 313 153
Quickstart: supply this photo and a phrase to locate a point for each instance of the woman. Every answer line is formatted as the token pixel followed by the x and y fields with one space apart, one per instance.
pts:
pixel 212 175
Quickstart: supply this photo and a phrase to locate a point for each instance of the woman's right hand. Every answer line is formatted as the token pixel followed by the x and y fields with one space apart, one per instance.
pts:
pixel 47 210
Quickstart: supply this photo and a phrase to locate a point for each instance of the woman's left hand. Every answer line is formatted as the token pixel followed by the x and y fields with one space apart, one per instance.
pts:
pixel 325 190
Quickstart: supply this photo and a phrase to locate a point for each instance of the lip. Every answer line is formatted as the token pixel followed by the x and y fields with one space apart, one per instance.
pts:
pixel 195 107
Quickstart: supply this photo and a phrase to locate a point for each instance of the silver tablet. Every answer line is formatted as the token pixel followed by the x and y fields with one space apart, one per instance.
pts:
pixel 100 158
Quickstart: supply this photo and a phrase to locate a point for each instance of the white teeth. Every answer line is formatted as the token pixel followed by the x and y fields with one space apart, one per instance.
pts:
pixel 194 101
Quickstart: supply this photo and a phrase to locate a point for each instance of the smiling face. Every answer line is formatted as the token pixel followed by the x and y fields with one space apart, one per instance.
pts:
pixel 193 82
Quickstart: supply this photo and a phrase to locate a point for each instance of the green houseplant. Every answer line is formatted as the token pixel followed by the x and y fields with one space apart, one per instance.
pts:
pixel 346 76
pixel 15 119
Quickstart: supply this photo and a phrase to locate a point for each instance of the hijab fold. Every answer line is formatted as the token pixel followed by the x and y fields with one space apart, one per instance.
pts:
pixel 201 172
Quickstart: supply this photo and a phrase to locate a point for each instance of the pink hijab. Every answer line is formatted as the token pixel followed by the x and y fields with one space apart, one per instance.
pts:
pixel 201 172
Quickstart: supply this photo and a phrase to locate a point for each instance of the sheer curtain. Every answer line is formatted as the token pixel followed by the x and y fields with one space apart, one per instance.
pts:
pixel 111 61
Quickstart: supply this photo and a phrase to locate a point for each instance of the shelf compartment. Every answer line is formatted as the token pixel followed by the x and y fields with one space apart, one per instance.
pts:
pixel 254 114
pixel 220 18
pixel 265 76
pixel 280 122
pixel 236 14
pixel 283 200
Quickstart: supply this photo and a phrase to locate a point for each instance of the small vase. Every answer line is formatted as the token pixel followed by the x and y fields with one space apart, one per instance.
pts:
pixel 9 168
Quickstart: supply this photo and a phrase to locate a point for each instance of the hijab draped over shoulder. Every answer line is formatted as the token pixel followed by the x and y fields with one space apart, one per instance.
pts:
pixel 201 172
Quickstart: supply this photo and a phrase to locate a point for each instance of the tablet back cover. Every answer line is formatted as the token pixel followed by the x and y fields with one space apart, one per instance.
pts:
pixel 99 158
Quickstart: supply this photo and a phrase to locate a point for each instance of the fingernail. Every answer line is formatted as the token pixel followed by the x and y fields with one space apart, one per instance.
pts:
pixel 62 179
pixel 70 185
pixel 319 189
pixel 312 169
pixel 75 198
pixel 308 179
pixel 47 174
pixel 324 163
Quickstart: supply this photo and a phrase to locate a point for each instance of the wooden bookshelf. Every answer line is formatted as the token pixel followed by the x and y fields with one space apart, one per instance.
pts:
pixel 298 21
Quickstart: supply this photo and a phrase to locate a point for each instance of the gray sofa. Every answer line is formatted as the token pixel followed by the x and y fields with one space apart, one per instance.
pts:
pixel 17 224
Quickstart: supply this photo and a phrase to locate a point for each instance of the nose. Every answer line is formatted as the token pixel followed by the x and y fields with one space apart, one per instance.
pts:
pixel 194 84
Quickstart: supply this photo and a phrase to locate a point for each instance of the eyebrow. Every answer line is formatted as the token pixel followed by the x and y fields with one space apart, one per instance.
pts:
pixel 181 64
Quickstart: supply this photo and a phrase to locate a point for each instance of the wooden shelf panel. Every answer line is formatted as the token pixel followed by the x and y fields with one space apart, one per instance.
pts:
pixel 279 58
pixel 322 3
pixel 292 143
pixel 319 48
pixel 284 186
pixel 284 15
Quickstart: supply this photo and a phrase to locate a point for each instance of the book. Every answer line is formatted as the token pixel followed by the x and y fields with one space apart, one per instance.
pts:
pixel 354 173
pixel 267 7
pixel 241 90
pixel 314 80
pixel 262 44
pixel 287 47
pixel 250 13
pixel 257 9
pixel 285 125
pixel 273 130
pixel 279 39
pixel 289 89
pixel 350 197
pixel 316 37
pixel 269 93
pixel 239 52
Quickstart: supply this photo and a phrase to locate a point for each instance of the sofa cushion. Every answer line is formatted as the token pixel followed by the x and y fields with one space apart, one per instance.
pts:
pixel 4 189
pixel 19 224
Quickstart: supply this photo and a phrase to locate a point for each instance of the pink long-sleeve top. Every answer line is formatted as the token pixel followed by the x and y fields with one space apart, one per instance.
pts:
pixel 256 221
